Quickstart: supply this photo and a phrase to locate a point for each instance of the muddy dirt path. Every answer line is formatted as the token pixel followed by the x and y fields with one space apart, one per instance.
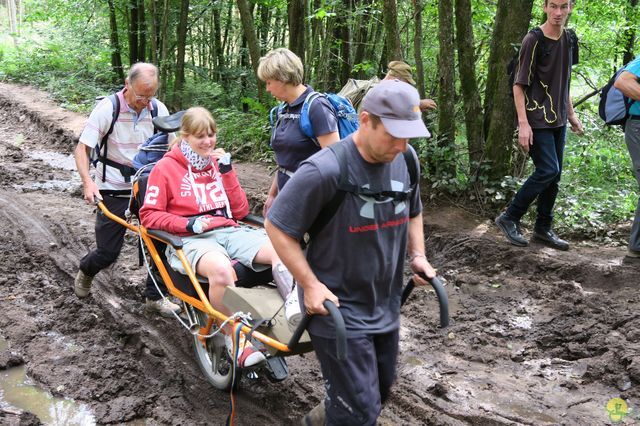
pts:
pixel 537 336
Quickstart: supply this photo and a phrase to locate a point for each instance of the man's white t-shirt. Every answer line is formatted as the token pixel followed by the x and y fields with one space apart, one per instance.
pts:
pixel 129 132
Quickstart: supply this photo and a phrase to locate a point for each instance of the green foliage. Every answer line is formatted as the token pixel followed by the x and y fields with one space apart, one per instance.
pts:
pixel 598 187
pixel 245 135
pixel 73 70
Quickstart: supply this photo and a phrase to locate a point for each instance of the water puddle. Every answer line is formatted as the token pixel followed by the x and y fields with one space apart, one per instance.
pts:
pixel 55 159
pixel 18 391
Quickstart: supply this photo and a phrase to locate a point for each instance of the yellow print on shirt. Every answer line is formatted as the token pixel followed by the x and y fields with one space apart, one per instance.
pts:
pixel 532 104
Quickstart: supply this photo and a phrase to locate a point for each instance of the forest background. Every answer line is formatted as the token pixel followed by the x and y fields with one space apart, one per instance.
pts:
pixel 207 52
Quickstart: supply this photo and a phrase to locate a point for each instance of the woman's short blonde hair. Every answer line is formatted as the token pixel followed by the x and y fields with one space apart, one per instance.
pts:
pixel 282 65
pixel 197 120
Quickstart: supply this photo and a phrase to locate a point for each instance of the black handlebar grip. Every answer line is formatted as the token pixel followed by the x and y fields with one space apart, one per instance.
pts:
pixel 341 331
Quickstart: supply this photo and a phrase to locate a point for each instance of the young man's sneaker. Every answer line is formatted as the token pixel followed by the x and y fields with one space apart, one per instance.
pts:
pixel 248 355
pixel 82 284
pixel 511 230
pixel 163 306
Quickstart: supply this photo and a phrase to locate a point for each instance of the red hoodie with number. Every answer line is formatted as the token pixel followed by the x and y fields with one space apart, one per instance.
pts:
pixel 176 192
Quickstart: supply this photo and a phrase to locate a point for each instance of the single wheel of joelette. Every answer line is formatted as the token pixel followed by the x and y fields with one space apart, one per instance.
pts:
pixel 211 353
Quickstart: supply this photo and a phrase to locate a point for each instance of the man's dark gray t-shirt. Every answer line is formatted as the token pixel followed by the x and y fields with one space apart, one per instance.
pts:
pixel 359 255
pixel 546 84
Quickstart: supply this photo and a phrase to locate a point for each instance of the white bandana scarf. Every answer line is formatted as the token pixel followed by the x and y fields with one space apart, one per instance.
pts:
pixel 197 161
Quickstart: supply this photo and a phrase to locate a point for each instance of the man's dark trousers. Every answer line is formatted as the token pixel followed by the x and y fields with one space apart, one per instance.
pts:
pixel 632 138
pixel 109 241
pixel 547 153
pixel 358 386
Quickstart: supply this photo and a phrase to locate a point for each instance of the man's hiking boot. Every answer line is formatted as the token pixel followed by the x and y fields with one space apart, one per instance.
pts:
pixel 82 284
pixel 248 355
pixel 550 238
pixel 315 417
pixel 511 230
pixel 162 306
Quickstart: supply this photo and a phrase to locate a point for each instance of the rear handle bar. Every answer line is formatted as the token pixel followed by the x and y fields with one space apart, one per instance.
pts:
pixel 443 301
pixel 341 331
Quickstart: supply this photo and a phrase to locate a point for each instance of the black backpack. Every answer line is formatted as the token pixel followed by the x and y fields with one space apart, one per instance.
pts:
pixel 542 51
pixel 344 187
pixel 100 151
pixel 614 106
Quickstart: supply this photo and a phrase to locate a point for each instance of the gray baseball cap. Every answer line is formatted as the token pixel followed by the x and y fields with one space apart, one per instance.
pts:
pixel 398 105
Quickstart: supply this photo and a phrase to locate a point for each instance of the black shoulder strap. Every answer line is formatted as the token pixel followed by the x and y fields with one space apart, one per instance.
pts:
pixel 102 149
pixel 573 46
pixel 344 186
pixel 330 209
pixel 542 45
pixel 413 166
pixel 154 113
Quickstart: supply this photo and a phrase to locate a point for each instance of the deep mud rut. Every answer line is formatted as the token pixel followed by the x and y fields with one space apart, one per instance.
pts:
pixel 537 336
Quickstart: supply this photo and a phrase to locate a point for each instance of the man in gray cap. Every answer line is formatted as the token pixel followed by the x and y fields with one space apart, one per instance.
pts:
pixel 356 259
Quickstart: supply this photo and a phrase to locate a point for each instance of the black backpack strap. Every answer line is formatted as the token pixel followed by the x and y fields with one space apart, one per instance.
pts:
pixel 542 45
pixel 102 149
pixel 330 209
pixel 574 47
pixel 413 166
pixel 154 113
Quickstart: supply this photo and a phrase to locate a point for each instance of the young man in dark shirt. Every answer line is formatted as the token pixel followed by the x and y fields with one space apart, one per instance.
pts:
pixel 543 106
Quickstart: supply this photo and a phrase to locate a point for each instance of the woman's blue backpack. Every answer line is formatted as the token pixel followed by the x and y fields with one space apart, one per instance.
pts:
pixel 346 115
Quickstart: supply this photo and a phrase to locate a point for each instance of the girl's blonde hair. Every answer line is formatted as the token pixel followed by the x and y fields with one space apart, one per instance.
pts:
pixel 196 120
pixel 281 65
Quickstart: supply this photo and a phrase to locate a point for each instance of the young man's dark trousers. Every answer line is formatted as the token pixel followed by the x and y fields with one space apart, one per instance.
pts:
pixel 547 153
pixel 357 387
pixel 109 241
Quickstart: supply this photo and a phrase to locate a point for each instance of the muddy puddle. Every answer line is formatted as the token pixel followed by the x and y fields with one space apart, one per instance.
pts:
pixel 51 182
pixel 18 391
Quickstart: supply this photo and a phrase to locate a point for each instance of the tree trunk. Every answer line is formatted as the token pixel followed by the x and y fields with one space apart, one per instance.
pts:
pixel 392 43
pixel 142 32
pixel 468 83
pixel 417 47
pixel 361 39
pixel 265 26
pixel 324 70
pixel 13 21
pixel 153 10
pixel 345 47
pixel 116 57
pixel 296 11
pixel 163 62
pixel 181 35
pixel 217 44
pixel 511 24
pixel 133 32
pixel 377 40
pixel 445 160
pixel 630 32
pixel 252 41
pixel 225 38
pixel 314 46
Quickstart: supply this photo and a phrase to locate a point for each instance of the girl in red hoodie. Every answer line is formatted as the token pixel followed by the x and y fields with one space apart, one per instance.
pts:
pixel 194 192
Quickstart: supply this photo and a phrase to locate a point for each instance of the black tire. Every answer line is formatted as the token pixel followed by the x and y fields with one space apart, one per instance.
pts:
pixel 212 355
